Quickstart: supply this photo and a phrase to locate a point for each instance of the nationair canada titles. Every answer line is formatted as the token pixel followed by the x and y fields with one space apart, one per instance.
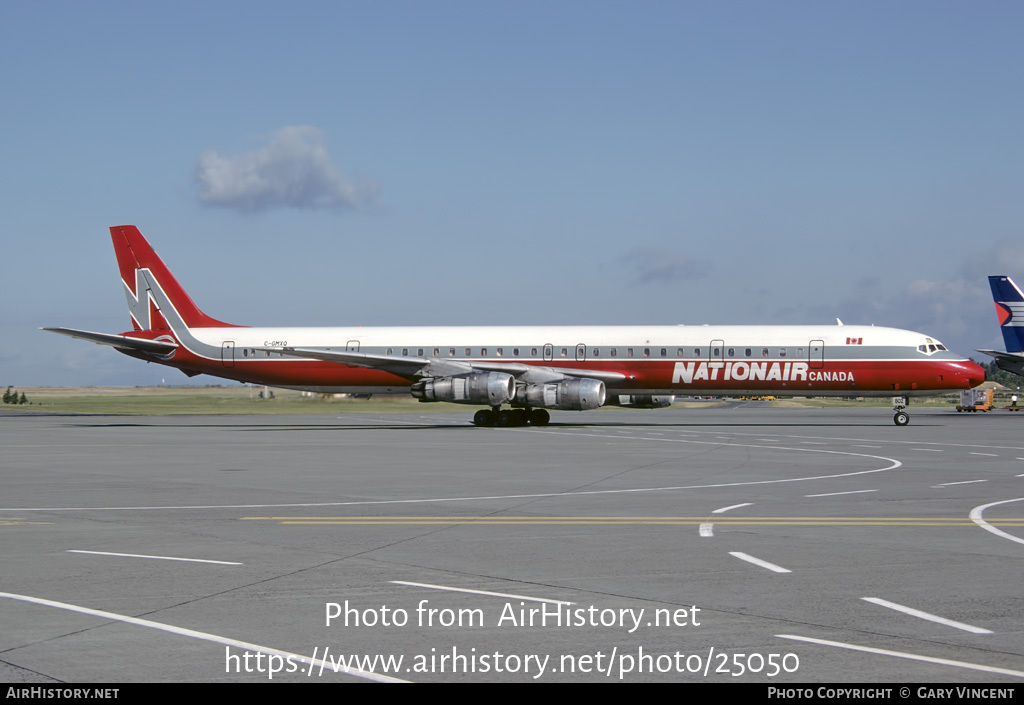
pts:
pixel 741 371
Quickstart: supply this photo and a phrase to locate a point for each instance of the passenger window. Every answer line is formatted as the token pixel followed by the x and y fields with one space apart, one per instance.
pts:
pixel 451 352
pixel 390 351
pixel 437 352
pixel 647 352
pixel 664 352
pixel 782 352
pixel 615 352
pixel 732 352
pixel 483 352
pixel 469 352
pixel 565 352
pixel 419 353
pixel 405 351
pixel 629 352
pixel 747 352
pixel 499 352
pixel 764 352
pixel 597 352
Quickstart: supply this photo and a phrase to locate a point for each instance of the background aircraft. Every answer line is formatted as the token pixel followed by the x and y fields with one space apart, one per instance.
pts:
pixel 529 369
pixel 1010 311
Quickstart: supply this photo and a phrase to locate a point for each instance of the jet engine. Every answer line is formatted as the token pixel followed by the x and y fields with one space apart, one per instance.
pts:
pixel 569 394
pixel 490 388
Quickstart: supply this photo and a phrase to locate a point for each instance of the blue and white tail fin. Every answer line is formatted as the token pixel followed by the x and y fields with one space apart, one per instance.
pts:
pixel 1010 309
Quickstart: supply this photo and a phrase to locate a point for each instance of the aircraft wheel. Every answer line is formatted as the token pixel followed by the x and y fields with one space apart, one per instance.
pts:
pixel 539 417
pixel 506 418
pixel 901 418
pixel 484 417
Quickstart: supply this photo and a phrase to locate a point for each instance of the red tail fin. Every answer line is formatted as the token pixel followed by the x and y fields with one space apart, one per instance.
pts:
pixel 134 253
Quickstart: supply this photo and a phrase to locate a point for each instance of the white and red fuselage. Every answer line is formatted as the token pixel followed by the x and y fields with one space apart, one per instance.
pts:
pixel 681 360
pixel 527 367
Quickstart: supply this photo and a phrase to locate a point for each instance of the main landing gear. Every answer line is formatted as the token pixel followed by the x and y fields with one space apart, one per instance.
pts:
pixel 901 417
pixel 496 416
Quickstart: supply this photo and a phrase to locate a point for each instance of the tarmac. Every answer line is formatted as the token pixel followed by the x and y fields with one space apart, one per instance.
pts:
pixel 738 544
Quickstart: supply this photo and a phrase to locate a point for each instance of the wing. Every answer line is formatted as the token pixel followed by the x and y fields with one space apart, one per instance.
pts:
pixel 124 342
pixel 421 367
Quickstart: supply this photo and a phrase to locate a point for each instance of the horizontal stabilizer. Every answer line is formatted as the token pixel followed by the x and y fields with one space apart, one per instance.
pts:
pixel 1011 362
pixel 157 347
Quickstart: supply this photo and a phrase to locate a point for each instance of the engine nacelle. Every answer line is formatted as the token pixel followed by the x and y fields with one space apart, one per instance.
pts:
pixel 490 388
pixel 643 401
pixel 569 394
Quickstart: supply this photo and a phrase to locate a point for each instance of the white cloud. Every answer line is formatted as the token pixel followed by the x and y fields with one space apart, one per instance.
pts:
pixel 294 170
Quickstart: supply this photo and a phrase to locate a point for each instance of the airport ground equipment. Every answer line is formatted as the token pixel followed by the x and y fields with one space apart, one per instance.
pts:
pixel 975 400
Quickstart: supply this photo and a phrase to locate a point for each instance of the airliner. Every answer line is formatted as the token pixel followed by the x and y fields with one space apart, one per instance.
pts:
pixel 1010 310
pixel 519 373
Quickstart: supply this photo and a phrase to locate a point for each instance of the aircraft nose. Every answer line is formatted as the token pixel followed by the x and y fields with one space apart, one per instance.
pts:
pixel 975 374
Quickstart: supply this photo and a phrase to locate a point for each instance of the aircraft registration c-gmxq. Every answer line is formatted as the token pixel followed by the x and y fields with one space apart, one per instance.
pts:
pixel 519 373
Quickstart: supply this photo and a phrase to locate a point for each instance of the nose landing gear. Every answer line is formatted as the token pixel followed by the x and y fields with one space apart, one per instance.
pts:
pixel 901 417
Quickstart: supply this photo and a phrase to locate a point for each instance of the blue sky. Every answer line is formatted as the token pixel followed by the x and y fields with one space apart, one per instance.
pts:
pixel 387 163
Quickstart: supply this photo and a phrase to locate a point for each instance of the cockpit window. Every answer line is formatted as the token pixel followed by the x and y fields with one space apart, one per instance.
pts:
pixel 930 346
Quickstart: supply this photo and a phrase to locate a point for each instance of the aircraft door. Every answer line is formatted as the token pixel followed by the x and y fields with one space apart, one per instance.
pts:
pixel 816 354
pixel 716 351
pixel 581 352
pixel 227 353
pixel 352 346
